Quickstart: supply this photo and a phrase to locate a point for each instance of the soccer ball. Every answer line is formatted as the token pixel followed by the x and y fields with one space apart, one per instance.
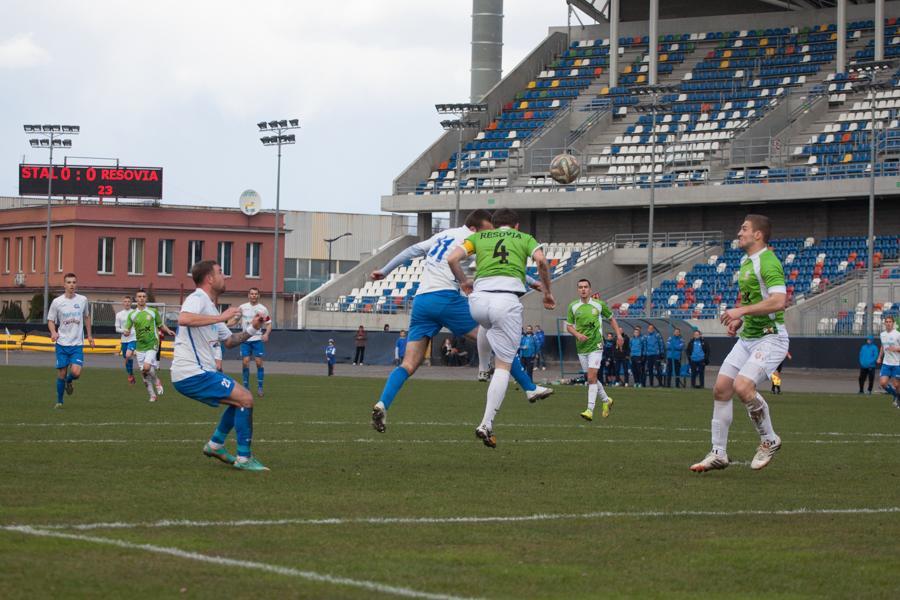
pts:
pixel 564 168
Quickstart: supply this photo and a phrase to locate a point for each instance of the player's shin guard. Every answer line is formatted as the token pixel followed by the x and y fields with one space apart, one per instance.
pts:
pixel 148 383
pixel 226 424
pixel 246 374
pixel 592 396
pixel 495 394
pixel 243 428
pixel 260 376
pixel 392 386
pixel 758 410
pixel 484 351
pixel 721 422
pixel 518 373
pixel 60 389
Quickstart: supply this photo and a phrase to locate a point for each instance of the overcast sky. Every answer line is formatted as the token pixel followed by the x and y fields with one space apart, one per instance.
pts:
pixel 180 85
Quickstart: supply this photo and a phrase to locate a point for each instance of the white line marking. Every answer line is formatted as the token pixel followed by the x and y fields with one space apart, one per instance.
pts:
pixel 165 523
pixel 384 440
pixel 243 564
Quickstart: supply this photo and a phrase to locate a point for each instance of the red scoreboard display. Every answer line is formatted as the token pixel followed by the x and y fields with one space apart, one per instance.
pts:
pixel 91 181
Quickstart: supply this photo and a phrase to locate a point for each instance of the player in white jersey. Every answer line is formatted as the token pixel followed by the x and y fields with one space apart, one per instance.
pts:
pixel 255 346
pixel 128 339
pixel 438 303
pixel 889 357
pixel 67 319
pixel 201 328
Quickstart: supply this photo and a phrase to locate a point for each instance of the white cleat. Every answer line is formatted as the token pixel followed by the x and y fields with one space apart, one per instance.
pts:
pixel 159 389
pixel 483 375
pixel 712 462
pixel 538 393
pixel 764 453
pixel 152 398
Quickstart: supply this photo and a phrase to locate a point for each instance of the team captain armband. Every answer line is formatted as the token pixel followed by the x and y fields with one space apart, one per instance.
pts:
pixel 468 246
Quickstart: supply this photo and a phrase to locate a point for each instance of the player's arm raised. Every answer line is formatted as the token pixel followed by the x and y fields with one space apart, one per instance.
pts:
pixel 414 251
pixel 189 319
pixel 230 340
pixel 543 268
pixel 454 261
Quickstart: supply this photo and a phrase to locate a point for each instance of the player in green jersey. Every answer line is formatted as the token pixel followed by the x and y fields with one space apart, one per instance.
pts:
pixel 762 346
pixel 584 320
pixel 501 257
pixel 147 323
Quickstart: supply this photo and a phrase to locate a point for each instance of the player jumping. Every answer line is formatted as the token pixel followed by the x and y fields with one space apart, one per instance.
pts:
pixel 584 320
pixel 67 320
pixel 889 357
pixel 255 346
pixel 147 323
pixel 438 303
pixel 200 330
pixel 128 341
pixel 501 258
pixel 761 348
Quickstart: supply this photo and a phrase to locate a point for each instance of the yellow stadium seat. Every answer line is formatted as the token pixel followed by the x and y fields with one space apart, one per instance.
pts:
pixel 641 78
pixel 663 57
pixel 555 83
pixel 532 85
pixel 847 158
pixel 523 105
pixel 723 64
pixel 604 91
pixel 764 42
pixel 726 54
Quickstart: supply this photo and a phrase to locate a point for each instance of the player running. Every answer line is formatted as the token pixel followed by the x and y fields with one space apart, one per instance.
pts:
pixel 147 323
pixel 757 354
pixel 889 357
pixel 128 340
pixel 201 328
pixel 255 346
pixel 584 320
pixel 501 257
pixel 439 304
pixel 67 319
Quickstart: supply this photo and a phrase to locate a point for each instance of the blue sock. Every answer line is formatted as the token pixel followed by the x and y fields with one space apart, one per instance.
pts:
pixel 246 373
pixel 70 378
pixel 243 427
pixel 60 389
pixel 226 424
pixel 890 390
pixel 392 386
pixel 129 366
pixel 260 376
pixel 517 371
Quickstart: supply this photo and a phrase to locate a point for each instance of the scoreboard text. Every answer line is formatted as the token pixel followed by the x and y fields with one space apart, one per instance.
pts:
pixel 91 181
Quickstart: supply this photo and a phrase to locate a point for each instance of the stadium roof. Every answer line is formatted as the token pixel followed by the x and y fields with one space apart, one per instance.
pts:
pixel 679 9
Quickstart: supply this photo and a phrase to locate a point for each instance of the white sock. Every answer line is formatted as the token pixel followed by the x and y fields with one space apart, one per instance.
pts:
pixel 721 421
pixel 380 405
pixel 495 394
pixel 215 445
pixel 153 376
pixel 484 350
pixel 758 410
pixel 601 393
pixel 148 383
pixel 592 396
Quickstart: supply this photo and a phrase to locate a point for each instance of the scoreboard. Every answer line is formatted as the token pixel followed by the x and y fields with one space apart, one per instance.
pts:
pixel 91 181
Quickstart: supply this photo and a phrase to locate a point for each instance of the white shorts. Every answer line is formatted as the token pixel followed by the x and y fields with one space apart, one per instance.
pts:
pixel 756 359
pixel 147 358
pixel 592 360
pixel 501 316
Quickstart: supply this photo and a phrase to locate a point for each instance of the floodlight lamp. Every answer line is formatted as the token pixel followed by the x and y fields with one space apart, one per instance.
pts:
pixel 291 138
pixel 45 143
pixel 47 128
pixel 27 128
pixel 55 128
pixel 67 143
pixel 273 124
pixel 282 123
pixel 35 143
pixel 295 122
pixel 262 125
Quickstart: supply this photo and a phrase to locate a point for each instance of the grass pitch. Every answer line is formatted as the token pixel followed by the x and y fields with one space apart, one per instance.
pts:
pixel 113 497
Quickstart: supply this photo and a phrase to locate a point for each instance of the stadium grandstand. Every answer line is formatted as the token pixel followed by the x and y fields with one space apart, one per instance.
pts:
pixel 794 115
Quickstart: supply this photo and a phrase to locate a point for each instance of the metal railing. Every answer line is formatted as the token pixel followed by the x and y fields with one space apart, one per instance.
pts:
pixel 668 240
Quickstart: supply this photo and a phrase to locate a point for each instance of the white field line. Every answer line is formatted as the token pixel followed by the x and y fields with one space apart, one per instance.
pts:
pixel 169 523
pixel 538 425
pixel 452 441
pixel 242 564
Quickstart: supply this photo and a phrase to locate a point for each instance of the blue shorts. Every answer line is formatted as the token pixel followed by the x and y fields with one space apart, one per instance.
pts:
pixel 126 346
pixel 434 310
pixel 208 387
pixel 69 355
pixel 890 371
pixel 257 348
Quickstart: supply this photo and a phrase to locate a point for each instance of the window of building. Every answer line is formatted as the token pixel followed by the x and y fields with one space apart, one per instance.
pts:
pixel 19 258
pixel 195 253
pixel 6 255
pixel 105 247
pixel 136 256
pixel 224 258
pixel 59 254
pixel 32 242
pixel 164 258
pixel 253 250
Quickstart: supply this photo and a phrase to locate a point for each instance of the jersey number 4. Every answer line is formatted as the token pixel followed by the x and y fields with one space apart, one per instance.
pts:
pixel 501 253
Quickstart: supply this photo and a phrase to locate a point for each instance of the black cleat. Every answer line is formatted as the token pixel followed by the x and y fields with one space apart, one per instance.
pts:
pixel 487 436
pixel 70 387
pixel 378 419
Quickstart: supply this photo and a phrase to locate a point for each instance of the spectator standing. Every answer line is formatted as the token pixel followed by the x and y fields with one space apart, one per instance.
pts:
pixel 607 367
pixel 330 356
pixel 460 352
pixel 528 350
pixel 360 339
pixel 447 354
pixel 654 346
pixel 638 351
pixel 868 363
pixel 698 353
pixel 540 337
pixel 674 348
pixel 400 348
pixel 623 366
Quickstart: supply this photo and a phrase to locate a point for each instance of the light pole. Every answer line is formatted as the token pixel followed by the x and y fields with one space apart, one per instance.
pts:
pixel 653 91
pixel 276 136
pixel 330 242
pixel 50 139
pixel 459 124
pixel 870 70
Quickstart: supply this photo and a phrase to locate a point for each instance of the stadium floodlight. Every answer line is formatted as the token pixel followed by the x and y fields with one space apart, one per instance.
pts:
pixel 277 127
pixel 459 125
pixel 51 139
